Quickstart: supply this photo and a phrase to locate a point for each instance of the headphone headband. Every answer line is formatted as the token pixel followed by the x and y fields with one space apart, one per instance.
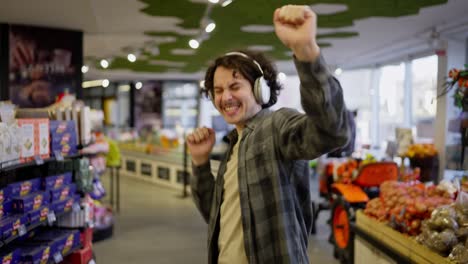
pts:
pixel 236 53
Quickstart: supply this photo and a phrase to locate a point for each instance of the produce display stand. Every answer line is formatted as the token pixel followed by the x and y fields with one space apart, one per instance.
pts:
pixel 375 242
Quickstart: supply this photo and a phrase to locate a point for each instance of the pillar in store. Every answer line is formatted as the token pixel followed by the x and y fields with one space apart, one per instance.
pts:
pixel 447 134
pixel 375 99
pixel 408 98
pixel 132 105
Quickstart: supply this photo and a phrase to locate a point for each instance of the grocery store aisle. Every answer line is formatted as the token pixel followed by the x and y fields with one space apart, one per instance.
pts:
pixel 157 226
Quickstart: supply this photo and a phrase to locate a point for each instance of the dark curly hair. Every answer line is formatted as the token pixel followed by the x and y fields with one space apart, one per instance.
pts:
pixel 249 70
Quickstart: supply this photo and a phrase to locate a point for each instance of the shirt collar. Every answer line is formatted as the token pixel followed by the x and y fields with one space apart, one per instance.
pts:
pixel 250 124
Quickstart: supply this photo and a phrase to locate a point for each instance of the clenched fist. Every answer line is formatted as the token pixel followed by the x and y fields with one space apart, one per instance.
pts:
pixel 200 143
pixel 296 27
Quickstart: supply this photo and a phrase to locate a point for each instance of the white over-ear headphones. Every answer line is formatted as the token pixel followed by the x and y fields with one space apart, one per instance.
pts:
pixel 261 90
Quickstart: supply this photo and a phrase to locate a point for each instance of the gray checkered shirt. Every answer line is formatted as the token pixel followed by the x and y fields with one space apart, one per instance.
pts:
pixel 274 181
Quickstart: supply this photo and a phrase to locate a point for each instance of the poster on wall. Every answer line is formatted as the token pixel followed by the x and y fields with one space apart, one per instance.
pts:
pixel 44 65
pixel 148 106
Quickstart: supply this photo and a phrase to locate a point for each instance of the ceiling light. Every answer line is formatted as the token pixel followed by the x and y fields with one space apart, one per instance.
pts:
pixel 89 84
pixel 213 1
pixel 104 64
pixel 226 3
pixel 84 69
pixel 338 71
pixel 194 44
pixel 105 83
pixel 131 57
pixel 138 85
pixel 281 76
pixel 210 27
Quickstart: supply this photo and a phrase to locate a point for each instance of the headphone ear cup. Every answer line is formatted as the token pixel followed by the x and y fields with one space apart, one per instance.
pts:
pixel 261 91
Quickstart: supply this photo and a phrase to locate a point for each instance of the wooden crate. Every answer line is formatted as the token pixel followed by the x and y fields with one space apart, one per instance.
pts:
pixel 403 244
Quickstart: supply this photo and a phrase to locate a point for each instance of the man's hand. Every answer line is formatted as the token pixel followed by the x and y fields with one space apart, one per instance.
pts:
pixel 296 27
pixel 200 143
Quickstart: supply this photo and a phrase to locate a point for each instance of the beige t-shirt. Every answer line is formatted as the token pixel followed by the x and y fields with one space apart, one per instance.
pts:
pixel 231 234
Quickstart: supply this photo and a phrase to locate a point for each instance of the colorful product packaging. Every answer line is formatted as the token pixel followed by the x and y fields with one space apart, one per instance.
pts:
pixel 30 202
pixel 19 220
pixel 38 215
pixel 62 193
pixel 10 255
pixel 10 147
pixel 6 227
pixel 55 182
pixel 5 192
pixel 64 139
pixel 6 208
pixel 39 254
pixel 34 138
pixel 64 206
pixel 20 189
pixel 60 241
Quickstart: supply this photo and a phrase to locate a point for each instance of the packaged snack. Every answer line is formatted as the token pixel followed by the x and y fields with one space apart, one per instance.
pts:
pixel 39 254
pixel 38 215
pixel 19 220
pixel 5 192
pixel 6 208
pixel 30 202
pixel 34 138
pixel 10 255
pixel 6 227
pixel 20 189
pixel 62 193
pixel 55 182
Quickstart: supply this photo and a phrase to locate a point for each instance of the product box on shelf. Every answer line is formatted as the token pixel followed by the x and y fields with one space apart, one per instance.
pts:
pixel 19 220
pixel 38 215
pixel 30 202
pixel 34 138
pixel 6 208
pixel 5 192
pixel 62 241
pixel 10 255
pixel 10 226
pixel 73 241
pixel 38 254
pixel 6 227
pixel 62 193
pixel 25 187
pixel 63 138
pixel 10 146
pixel 55 182
pixel 64 206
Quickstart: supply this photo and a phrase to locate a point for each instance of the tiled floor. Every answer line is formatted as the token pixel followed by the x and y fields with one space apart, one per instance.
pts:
pixel 157 226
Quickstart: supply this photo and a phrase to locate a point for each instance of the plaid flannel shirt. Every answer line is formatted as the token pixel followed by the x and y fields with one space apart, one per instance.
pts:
pixel 274 181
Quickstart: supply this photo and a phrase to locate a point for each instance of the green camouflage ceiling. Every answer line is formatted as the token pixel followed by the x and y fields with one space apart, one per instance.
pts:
pixel 240 13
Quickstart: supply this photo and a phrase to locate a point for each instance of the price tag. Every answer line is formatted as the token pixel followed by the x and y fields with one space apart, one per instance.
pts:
pixel 58 155
pixel 38 159
pixel 92 261
pixel 76 207
pixel 22 230
pixel 58 257
pixel 51 218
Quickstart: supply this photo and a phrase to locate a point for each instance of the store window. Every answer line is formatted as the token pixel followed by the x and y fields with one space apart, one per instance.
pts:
pixel 391 94
pixel 424 75
pixel 356 86
pixel 180 104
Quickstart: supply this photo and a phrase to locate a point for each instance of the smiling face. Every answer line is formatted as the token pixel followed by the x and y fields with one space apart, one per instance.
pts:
pixel 233 97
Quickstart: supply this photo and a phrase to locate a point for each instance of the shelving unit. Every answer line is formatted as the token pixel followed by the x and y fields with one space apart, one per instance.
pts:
pixel 38 168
